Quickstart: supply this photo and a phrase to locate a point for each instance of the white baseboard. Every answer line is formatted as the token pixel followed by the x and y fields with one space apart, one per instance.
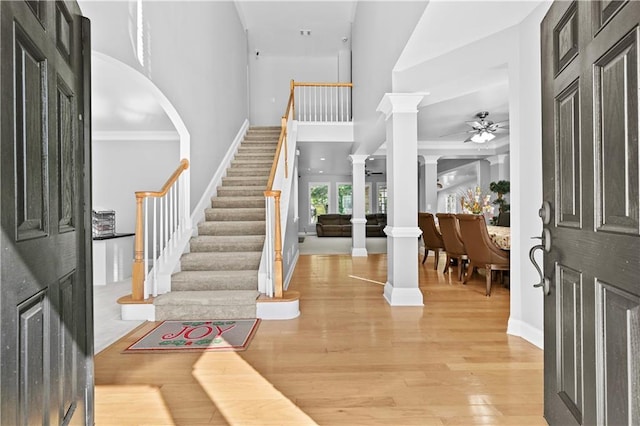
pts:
pixel 359 252
pixel 531 334
pixel 402 296
pixel 197 215
pixel 292 268
pixel 278 310
pixel 138 312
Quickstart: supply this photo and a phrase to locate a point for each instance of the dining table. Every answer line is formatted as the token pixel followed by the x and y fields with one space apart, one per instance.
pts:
pixel 501 235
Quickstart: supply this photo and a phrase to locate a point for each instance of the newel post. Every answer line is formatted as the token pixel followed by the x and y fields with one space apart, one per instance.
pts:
pixel 137 273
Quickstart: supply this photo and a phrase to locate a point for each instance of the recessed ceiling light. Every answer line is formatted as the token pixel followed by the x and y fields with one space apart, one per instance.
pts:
pixel 320 171
pixel 322 158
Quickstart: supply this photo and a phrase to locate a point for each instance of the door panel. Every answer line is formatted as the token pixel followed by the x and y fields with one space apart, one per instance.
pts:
pixel 616 136
pixel 31 116
pixel 618 347
pixel 590 179
pixel 45 293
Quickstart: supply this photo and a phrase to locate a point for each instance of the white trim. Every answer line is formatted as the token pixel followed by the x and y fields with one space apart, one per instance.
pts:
pixel 402 231
pixel 393 103
pixel 138 312
pixel 355 220
pixel 197 214
pixel 135 135
pixel 292 268
pixel 359 252
pixel 522 329
pixel 278 310
pixel 358 159
pixel 402 296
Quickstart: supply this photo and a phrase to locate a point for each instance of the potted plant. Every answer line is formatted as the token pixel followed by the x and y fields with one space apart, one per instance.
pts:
pixel 501 188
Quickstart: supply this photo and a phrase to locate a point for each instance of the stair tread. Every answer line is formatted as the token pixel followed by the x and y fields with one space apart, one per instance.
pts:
pixel 203 275
pixel 207 297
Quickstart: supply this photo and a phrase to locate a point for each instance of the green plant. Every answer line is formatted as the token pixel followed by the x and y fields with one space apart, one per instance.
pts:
pixel 501 188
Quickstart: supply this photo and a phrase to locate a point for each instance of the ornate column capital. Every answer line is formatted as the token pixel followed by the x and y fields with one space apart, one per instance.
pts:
pixel 393 103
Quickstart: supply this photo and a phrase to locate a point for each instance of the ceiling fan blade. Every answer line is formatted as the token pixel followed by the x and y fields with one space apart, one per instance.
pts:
pixel 457 133
pixel 502 123
pixel 501 130
pixel 475 124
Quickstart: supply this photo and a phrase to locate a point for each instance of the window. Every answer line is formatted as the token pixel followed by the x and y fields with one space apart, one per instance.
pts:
pixel 318 200
pixel 382 198
pixel 452 206
pixel 345 198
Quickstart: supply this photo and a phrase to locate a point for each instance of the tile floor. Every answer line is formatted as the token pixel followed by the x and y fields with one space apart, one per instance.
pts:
pixel 107 325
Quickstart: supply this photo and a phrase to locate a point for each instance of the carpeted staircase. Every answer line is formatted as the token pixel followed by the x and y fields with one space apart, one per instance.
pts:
pixel 219 277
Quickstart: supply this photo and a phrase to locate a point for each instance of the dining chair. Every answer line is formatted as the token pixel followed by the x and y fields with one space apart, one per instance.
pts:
pixel 482 251
pixel 431 237
pixel 453 245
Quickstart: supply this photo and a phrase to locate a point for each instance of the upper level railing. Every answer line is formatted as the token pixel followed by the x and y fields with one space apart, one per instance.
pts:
pixel 322 102
pixel 160 216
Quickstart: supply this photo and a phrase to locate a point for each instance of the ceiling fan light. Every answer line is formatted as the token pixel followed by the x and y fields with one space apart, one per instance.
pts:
pixel 482 137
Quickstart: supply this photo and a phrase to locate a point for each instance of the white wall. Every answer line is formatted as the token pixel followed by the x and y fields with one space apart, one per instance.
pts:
pixel 379 33
pixel 122 167
pixel 195 53
pixel 526 177
pixel 270 78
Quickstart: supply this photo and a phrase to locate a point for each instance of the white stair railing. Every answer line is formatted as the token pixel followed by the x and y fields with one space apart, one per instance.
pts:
pixel 322 102
pixel 162 222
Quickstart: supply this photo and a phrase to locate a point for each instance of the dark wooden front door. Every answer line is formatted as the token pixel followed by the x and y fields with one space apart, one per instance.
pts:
pixel 590 177
pixel 45 286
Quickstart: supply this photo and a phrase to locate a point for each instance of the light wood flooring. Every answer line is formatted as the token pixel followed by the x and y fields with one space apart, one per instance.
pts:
pixel 349 359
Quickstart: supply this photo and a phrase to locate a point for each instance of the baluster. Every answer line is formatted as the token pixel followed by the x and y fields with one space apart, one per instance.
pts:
pixel 154 287
pixel 146 245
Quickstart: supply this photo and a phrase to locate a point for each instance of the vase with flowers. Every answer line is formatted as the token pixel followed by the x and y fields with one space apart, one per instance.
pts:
pixel 474 201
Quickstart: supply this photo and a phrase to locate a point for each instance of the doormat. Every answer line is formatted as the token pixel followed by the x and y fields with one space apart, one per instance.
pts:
pixel 195 336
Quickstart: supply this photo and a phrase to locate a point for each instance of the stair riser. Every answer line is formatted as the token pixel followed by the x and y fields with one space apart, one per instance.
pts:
pixel 232 203
pixel 233 215
pixel 200 247
pixel 231 228
pixel 213 264
pixel 240 192
pixel 252 164
pixel 259 149
pixel 245 181
pixel 164 313
pixel 236 171
pixel 214 285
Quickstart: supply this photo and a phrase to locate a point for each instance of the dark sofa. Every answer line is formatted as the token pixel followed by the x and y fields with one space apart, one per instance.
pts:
pixel 339 225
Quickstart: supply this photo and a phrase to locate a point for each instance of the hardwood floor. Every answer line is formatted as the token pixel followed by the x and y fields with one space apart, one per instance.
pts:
pixel 349 359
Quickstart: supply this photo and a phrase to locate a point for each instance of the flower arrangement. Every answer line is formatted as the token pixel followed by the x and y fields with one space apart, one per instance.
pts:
pixel 473 201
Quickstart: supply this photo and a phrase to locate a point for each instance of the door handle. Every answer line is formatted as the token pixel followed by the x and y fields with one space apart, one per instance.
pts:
pixel 544 283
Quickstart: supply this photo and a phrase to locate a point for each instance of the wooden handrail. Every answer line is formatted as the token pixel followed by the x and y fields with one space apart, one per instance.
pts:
pixel 323 84
pixel 184 165
pixel 138 272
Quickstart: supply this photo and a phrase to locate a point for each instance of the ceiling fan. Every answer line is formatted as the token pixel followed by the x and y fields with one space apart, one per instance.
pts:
pixel 484 130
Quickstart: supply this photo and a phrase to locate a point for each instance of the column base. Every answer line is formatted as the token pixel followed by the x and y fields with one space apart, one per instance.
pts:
pixel 359 252
pixel 402 296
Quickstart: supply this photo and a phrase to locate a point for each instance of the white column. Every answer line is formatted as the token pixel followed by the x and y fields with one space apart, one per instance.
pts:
pixel 358 217
pixel 401 115
pixel 430 194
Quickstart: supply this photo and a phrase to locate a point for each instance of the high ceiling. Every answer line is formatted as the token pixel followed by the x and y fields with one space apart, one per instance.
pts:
pixel 297 28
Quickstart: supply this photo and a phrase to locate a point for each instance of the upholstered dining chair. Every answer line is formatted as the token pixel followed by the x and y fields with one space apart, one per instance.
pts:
pixel 431 237
pixel 453 245
pixel 482 251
